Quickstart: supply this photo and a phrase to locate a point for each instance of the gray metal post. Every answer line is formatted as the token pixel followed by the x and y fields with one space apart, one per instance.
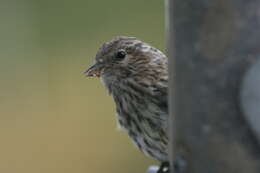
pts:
pixel 211 45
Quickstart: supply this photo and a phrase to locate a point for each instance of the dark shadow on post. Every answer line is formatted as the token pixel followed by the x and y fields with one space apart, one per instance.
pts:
pixel 211 45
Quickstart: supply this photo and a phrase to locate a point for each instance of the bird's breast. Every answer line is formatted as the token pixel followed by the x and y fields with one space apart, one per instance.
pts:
pixel 144 122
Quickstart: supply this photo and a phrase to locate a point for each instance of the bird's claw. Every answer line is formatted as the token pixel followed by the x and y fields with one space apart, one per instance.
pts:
pixel 164 168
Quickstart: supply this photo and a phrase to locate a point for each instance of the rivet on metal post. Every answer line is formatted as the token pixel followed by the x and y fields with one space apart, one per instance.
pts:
pixel 250 97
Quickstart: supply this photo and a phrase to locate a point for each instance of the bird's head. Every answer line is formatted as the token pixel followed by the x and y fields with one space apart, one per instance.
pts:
pixel 126 59
pixel 122 57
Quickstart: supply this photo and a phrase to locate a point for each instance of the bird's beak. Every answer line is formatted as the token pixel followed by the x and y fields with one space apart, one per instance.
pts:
pixel 94 71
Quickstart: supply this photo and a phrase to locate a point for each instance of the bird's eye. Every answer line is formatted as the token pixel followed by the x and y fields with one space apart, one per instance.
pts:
pixel 120 54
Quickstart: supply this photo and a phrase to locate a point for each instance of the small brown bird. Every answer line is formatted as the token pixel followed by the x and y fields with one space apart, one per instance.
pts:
pixel 136 75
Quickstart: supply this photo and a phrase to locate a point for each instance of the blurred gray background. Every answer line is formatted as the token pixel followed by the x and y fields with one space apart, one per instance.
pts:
pixel 52 118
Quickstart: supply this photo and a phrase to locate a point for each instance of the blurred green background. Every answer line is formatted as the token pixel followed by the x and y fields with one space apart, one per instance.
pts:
pixel 52 118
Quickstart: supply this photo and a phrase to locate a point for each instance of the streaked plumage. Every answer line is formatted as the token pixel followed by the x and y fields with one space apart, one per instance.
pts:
pixel 137 78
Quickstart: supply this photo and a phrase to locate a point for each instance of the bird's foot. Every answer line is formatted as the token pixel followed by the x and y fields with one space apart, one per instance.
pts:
pixel 164 168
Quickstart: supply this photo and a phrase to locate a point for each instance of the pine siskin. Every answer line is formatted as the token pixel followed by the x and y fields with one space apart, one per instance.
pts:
pixel 136 75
